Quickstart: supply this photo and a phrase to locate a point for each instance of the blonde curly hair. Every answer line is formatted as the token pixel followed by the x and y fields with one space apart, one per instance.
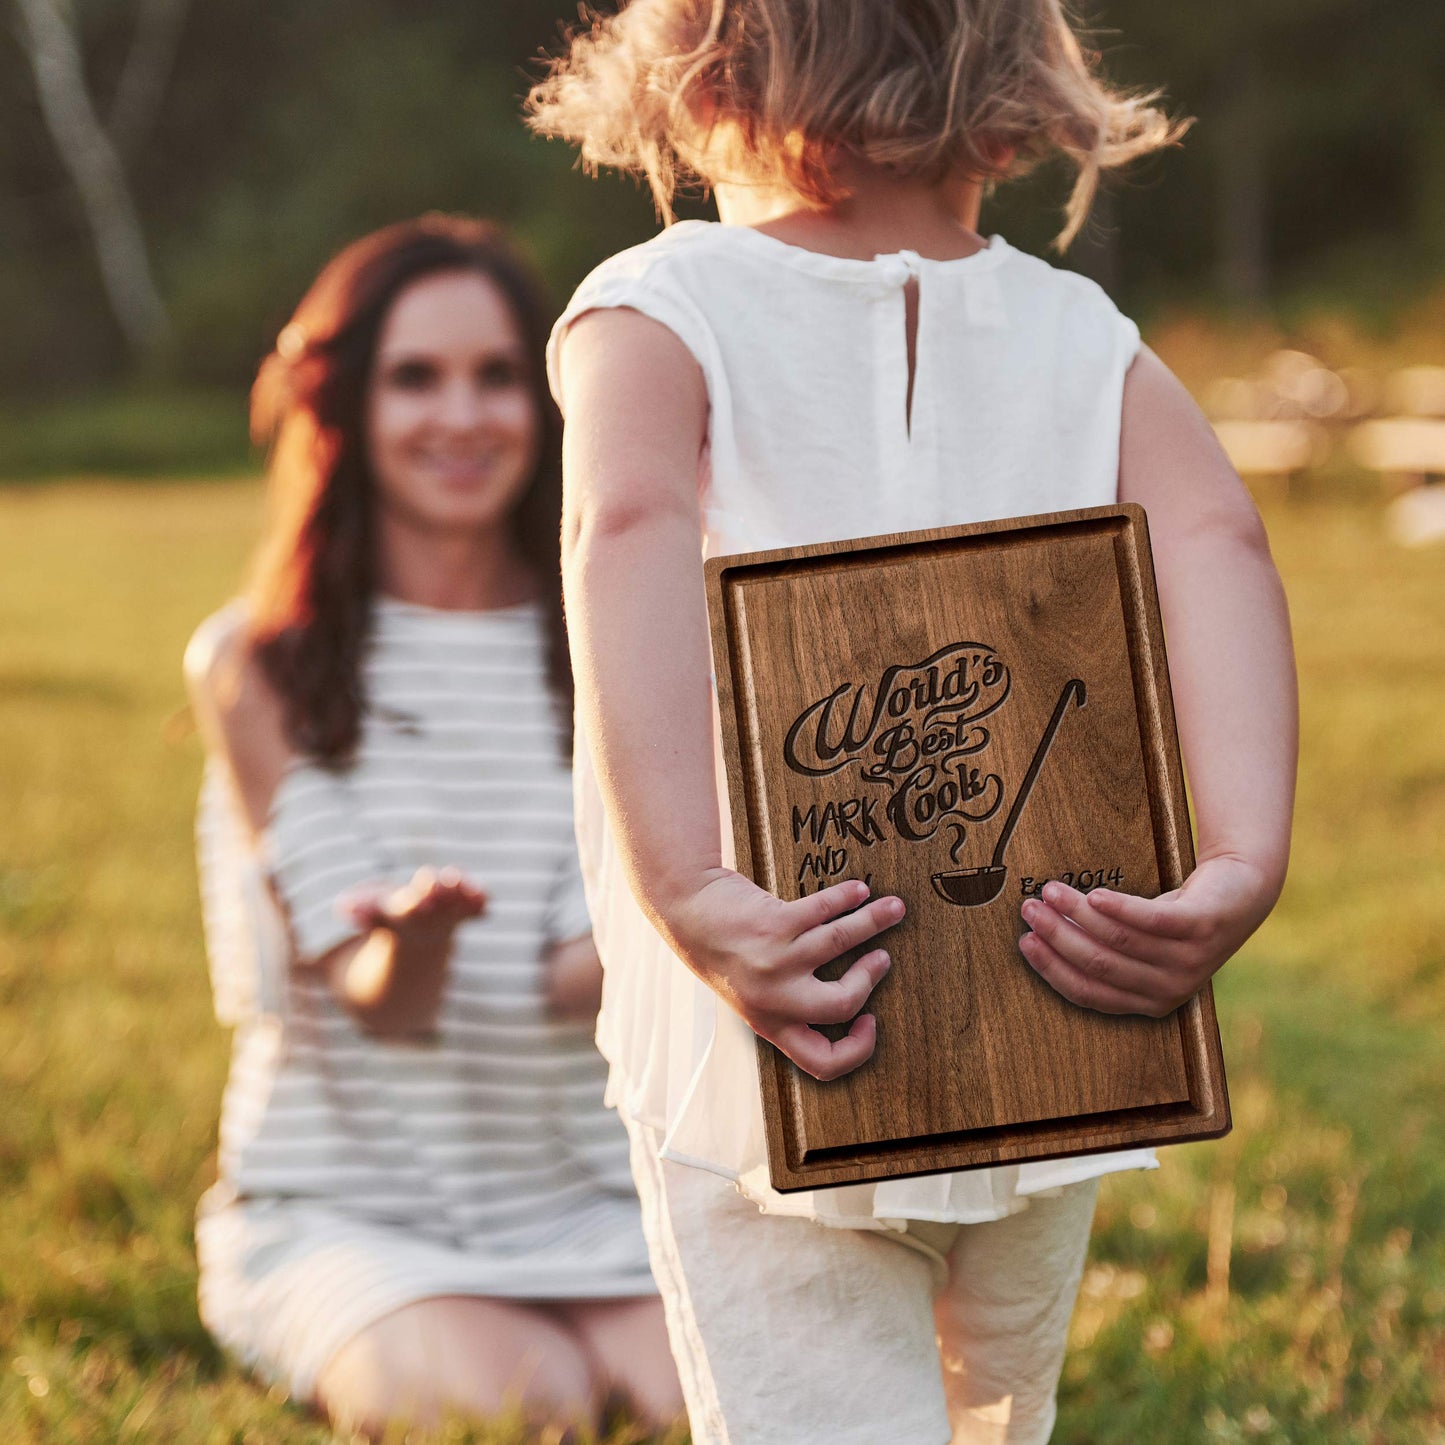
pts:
pixel 773 91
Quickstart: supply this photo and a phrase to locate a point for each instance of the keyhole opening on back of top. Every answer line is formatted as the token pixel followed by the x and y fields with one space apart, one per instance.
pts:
pixel 910 334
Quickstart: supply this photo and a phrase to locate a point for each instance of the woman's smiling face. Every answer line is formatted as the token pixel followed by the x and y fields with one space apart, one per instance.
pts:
pixel 452 429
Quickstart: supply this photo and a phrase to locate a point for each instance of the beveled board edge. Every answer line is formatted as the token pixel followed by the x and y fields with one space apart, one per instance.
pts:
pixel 1208 1115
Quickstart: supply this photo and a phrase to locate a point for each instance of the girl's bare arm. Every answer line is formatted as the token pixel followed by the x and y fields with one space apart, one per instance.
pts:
pixel 1232 668
pixel 632 573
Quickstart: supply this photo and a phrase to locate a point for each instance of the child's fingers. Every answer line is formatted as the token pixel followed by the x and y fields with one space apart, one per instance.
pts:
pixel 1065 979
pixel 1168 916
pixel 1112 933
pixel 837 1001
pixel 828 941
pixel 819 908
pixel 1083 952
pixel 822 1057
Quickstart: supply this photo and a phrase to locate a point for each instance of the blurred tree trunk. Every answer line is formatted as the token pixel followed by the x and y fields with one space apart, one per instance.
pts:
pixel 1241 158
pixel 147 70
pixel 95 168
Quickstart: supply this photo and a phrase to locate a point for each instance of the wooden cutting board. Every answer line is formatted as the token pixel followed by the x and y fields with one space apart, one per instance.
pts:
pixel 957 716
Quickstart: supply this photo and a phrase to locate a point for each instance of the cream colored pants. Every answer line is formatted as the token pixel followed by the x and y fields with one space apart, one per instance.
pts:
pixel 788 1332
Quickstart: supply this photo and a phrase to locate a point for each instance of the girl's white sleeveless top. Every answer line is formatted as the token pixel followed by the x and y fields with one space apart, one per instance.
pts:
pixel 1018 387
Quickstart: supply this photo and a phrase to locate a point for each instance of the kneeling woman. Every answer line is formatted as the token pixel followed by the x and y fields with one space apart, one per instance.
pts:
pixel 423 1205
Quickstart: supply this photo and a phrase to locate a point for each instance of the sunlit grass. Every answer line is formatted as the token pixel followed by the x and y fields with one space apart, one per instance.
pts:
pixel 1284 1285
pixel 1288 1283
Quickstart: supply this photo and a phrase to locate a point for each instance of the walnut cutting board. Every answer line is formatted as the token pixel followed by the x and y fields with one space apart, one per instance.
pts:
pixel 958 716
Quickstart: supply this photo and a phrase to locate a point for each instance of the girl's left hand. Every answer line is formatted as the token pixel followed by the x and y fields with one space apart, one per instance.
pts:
pixel 1121 954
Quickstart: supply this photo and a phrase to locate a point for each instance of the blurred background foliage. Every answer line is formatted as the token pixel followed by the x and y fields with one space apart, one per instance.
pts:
pixel 275 133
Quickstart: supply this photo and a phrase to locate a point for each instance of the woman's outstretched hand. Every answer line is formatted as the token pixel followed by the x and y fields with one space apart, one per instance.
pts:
pixel 435 900
pixel 1125 955
pixel 391 981
pixel 759 955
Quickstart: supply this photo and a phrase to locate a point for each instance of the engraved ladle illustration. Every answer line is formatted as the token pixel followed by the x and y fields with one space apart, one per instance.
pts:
pixel 973 887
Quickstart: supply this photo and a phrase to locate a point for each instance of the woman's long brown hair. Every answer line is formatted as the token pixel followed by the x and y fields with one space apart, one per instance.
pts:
pixel 315 575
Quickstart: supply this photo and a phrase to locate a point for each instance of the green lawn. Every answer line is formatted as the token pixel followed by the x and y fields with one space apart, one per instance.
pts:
pixel 1286 1284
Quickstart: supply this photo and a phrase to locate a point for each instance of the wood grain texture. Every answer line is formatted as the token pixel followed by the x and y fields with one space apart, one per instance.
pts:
pixel 957 716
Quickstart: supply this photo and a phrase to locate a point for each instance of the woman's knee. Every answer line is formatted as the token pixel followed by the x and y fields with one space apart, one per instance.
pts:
pixel 376 1376
pixel 627 1343
pixel 469 1357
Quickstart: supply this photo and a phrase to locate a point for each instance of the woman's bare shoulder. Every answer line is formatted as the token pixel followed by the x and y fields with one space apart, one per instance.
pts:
pixel 237 709
pixel 221 638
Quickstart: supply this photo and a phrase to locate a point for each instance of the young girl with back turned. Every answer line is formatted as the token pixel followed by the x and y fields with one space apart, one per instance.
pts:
pixel 845 356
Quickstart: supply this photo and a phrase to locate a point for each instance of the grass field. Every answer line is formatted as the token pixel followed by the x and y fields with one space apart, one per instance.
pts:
pixel 1284 1285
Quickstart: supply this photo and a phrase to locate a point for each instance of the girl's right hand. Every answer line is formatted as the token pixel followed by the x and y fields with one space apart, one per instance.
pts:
pixel 760 954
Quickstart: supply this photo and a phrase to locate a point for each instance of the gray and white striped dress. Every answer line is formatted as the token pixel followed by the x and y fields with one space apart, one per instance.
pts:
pixel 358 1175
